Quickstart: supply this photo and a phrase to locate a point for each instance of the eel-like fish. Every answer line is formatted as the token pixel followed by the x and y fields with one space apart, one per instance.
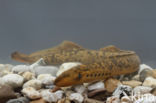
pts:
pixel 96 64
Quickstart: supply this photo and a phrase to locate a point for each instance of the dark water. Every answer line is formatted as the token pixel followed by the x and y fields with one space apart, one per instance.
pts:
pixel 31 25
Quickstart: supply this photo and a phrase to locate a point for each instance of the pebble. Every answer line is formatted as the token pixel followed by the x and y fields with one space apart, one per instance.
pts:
pixel 19 100
pixel 144 66
pixel 48 96
pixel 36 84
pixel 28 76
pixel 150 82
pixel 126 99
pixel 5 69
pixel 46 79
pixel 122 90
pixel 80 88
pixel 136 77
pixel 113 99
pixel 111 84
pixel 6 93
pixel 77 97
pixel 66 66
pixel 19 69
pixel 142 90
pixel 38 101
pixel 97 85
pixel 146 98
pixel 153 91
pixel 145 73
pixel 46 70
pixel 132 83
pixel 14 80
pixel 31 93
pixel 59 94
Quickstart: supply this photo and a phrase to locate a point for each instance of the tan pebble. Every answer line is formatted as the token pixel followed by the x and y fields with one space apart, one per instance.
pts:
pixel 150 82
pixel 113 99
pixel 136 77
pixel 28 76
pixel 111 84
pixel 132 83
pixel 38 101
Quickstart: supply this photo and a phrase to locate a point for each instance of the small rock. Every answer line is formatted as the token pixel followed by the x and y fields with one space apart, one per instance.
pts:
pixel 145 73
pixel 19 69
pixel 38 101
pixel 126 99
pixel 113 99
pixel 144 66
pixel 153 91
pixel 141 90
pixel 46 70
pixel 88 100
pixel 66 66
pixel 33 83
pixel 48 96
pixel 59 94
pixel 28 76
pixel 19 100
pixel 6 93
pixel 150 82
pixel 97 85
pixel 14 80
pixel 31 93
pixel 111 84
pixel 5 69
pixel 39 62
pixel 132 83
pixel 122 90
pixel 77 97
pixel 146 98
pixel 46 79
pixel 80 89
pixel 136 77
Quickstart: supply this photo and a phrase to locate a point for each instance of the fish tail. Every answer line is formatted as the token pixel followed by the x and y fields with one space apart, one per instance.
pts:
pixel 21 57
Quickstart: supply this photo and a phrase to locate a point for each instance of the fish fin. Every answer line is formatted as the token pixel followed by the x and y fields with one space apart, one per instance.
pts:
pixel 110 48
pixel 21 57
pixel 67 45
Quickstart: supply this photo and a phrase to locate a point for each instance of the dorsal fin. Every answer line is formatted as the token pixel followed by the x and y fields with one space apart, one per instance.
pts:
pixel 66 45
pixel 110 48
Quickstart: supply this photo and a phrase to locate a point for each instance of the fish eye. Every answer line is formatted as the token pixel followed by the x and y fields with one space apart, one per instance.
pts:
pixel 87 75
pixel 95 75
pixel 99 74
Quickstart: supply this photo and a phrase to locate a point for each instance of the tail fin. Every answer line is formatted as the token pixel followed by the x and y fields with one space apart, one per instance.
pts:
pixel 21 57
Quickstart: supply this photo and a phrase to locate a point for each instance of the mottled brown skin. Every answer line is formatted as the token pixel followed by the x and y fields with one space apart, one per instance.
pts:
pixel 97 64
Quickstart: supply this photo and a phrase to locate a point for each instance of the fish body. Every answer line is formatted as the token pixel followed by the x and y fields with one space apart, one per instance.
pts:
pixel 95 64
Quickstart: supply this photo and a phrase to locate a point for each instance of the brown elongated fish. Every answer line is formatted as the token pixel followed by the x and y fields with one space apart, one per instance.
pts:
pixel 96 64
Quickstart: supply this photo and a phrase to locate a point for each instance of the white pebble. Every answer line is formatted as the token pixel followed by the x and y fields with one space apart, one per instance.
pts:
pixel 66 66
pixel 77 97
pixel 97 85
pixel 14 80
pixel 19 69
pixel 142 90
pixel 46 79
pixel 146 98
pixel 33 83
pixel 48 96
pixel 80 88
pixel 144 66
pixel 46 70
pixel 5 69
pixel 150 82
pixel 122 89
pixel 31 93
pixel 59 94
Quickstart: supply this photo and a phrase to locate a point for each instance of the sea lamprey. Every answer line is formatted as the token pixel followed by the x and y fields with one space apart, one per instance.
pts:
pixel 94 65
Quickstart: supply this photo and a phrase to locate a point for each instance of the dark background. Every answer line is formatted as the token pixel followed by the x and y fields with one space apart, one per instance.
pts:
pixel 31 25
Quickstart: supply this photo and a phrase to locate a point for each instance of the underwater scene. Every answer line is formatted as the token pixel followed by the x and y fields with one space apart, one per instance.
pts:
pixel 83 51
